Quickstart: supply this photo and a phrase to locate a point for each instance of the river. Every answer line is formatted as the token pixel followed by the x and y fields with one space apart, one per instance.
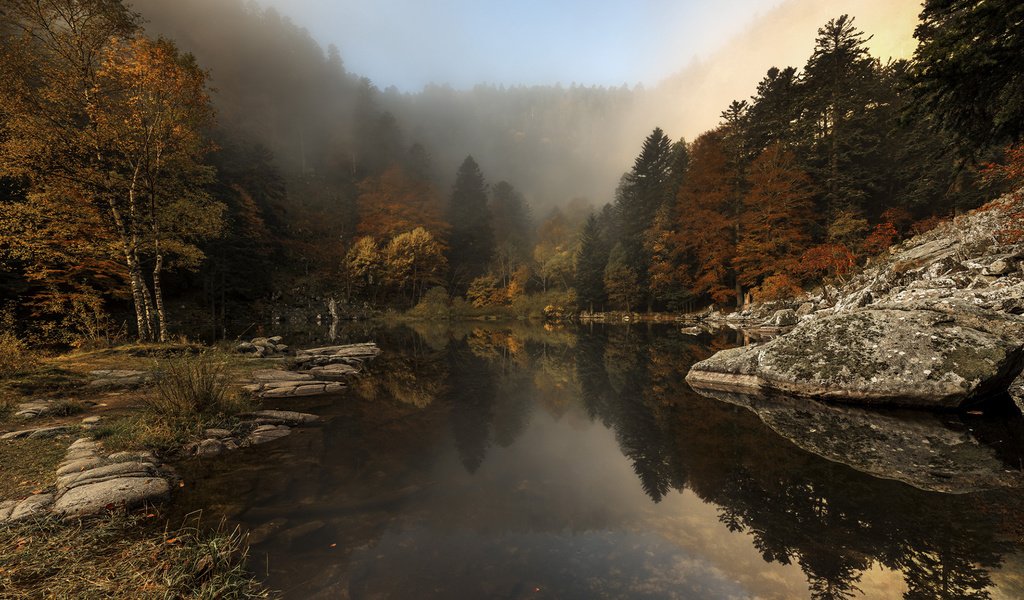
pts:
pixel 495 461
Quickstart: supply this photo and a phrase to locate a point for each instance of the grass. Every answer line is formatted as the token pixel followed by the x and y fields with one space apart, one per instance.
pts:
pixel 28 465
pixel 124 557
pixel 193 392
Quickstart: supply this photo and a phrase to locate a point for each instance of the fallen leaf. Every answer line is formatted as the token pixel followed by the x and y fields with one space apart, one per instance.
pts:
pixel 173 540
pixel 334 546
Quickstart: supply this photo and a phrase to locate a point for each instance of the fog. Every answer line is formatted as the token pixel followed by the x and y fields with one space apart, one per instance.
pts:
pixel 275 84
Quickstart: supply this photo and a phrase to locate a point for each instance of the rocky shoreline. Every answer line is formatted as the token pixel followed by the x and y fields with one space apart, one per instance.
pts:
pixel 934 324
pixel 89 481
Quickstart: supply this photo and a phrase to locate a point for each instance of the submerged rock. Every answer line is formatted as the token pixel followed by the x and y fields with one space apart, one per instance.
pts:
pixel 921 449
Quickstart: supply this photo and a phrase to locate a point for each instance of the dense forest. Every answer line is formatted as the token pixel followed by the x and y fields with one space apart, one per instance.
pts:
pixel 193 161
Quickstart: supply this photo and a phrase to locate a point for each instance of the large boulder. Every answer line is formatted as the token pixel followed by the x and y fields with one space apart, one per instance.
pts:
pixel 886 356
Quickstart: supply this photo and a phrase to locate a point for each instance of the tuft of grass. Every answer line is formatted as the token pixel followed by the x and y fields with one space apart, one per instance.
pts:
pixel 124 557
pixel 67 407
pixel 138 432
pixel 7 406
pixel 194 391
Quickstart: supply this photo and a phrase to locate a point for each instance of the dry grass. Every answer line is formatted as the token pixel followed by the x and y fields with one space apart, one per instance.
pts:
pixel 194 390
pixel 28 466
pixel 123 557
pixel 15 356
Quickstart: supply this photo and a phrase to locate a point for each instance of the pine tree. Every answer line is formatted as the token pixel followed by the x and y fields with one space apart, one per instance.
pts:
pixel 471 242
pixel 591 260
pixel 642 192
pixel 621 280
pixel 969 73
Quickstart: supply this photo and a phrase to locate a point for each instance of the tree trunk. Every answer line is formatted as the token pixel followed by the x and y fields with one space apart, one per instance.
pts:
pixel 158 295
pixel 139 299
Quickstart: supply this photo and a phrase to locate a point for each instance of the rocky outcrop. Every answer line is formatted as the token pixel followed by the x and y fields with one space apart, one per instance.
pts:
pixel 920 449
pixel 263 347
pixel 317 372
pixel 934 324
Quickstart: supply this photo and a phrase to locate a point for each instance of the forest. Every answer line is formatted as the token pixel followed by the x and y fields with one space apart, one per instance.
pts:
pixel 158 178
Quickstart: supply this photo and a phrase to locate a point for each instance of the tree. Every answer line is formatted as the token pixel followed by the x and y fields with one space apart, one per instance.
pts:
pixel 642 192
pixel 97 115
pixel 471 243
pixel 395 202
pixel 413 261
pixel 776 217
pixel 150 106
pixel 591 260
pixel 364 268
pixel 838 82
pixel 969 71
pixel 621 280
pixel 702 240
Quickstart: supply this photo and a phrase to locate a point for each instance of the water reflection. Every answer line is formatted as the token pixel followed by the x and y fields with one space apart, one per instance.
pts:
pixel 517 462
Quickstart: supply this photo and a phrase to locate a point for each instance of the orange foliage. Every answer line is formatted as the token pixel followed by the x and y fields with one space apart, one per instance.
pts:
pixel 777 287
pixel 880 238
pixel 1010 170
pixel 776 216
pixel 394 202
pixel 703 236
pixel 826 260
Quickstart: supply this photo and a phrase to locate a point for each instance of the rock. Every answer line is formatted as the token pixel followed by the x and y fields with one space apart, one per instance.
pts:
pixel 1000 266
pixel 334 372
pixel 1016 391
pixel 275 339
pixel 31 410
pixel 295 391
pixel 142 456
pixel 126 492
pixel 919 449
pixel 79 465
pixel 783 318
pixel 245 348
pixel 284 417
pixel 268 375
pixel 918 358
pixel 805 309
pixel 209 447
pixel 217 433
pixel 267 433
pixel 31 507
pixel 40 433
pixel 107 472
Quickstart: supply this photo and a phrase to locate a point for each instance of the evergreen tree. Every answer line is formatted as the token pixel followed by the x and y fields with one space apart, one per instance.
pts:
pixel 621 280
pixel 471 242
pixel 838 83
pixel 969 72
pixel 641 194
pixel 591 259
pixel 774 109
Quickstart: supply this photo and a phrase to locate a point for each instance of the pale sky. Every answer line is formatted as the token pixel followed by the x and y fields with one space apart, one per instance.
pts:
pixel 410 43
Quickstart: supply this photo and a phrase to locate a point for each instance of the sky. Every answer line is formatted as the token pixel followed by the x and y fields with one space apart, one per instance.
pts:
pixel 410 43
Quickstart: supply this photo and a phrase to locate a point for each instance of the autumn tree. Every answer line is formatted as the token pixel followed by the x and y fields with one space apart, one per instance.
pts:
pixel 414 260
pixel 621 280
pixel 364 268
pixel 776 217
pixel 395 202
pixel 100 116
pixel 702 240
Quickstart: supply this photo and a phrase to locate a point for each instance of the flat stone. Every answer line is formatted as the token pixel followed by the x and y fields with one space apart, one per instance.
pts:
pixel 92 420
pixel 334 372
pixel 79 465
pixel 209 447
pixel 6 507
pixel 217 433
pixel 104 472
pixel 31 507
pixel 142 456
pixel 285 416
pixel 276 375
pixel 117 373
pixel 84 442
pixel 126 492
pixel 268 433
pixel 276 339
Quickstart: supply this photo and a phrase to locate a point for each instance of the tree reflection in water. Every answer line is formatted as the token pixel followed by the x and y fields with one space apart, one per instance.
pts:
pixel 831 520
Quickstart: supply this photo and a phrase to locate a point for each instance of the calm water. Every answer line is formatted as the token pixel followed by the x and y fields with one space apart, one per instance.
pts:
pixel 491 462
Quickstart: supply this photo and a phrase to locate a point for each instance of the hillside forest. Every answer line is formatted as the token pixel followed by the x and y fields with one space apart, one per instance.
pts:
pixel 158 178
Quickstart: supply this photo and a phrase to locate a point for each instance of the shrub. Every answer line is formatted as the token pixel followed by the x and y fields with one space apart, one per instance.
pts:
pixel 15 356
